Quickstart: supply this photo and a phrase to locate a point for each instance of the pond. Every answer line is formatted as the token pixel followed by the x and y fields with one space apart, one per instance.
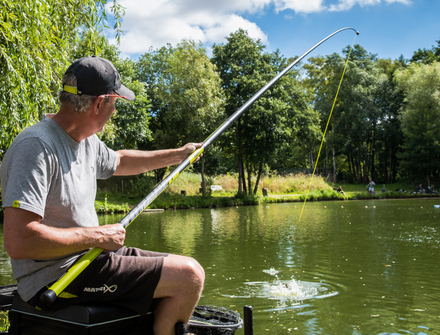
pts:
pixel 352 267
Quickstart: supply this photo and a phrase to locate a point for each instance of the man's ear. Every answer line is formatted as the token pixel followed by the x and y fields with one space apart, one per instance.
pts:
pixel 97 104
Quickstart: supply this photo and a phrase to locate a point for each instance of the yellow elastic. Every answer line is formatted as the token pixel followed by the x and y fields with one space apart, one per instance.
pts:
pixel 325 131
pixel 70 89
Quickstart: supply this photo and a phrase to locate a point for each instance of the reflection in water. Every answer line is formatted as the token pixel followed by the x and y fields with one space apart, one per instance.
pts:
pixel 352 267
pixel 181 233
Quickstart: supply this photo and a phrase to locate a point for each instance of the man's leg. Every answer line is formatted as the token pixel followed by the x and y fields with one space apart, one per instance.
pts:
pixel 179 287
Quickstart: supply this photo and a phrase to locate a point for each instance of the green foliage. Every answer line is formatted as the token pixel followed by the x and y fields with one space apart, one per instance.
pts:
pixel 187 100
pixel 142 184
pixel 275 119
pixel 36 38
pixel 364 124
pixel 420 119
pixel 106 207
pixel 129 126
pixel 427 56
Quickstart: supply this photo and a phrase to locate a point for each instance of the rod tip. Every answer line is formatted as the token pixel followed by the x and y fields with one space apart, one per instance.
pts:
pixel 357 32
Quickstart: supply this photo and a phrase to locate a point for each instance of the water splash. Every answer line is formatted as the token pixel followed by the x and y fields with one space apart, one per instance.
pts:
pixel 290 290
pixel 287 294
pixel 271 271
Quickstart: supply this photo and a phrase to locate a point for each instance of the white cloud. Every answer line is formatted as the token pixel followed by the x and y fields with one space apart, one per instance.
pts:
pixel 154 23
pixel 299 6
pixel 344 5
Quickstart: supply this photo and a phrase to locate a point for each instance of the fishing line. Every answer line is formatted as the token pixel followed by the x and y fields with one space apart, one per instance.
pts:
pixel 328 122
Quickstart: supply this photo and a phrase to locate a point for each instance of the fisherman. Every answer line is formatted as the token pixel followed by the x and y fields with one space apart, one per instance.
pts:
pixel 48 179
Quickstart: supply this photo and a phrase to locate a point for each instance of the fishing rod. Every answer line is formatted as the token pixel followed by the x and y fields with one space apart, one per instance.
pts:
pixel 48 297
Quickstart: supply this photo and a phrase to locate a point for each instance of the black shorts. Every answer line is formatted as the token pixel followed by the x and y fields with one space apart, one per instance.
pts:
pixel 127 277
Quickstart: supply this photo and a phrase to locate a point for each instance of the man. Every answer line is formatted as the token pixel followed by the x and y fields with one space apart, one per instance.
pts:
pixel 48 181
pixel 370 186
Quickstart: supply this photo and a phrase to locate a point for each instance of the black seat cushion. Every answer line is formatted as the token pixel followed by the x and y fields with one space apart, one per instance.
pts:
pixel 83 314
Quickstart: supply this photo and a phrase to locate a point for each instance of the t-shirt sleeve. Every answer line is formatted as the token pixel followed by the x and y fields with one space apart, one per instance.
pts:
pixel 106 160
pixel 28 174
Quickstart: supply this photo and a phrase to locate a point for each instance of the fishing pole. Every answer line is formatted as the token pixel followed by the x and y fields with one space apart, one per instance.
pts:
pixel 48 297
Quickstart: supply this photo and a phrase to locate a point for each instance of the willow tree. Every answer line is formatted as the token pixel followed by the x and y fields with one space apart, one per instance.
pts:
pixel 35 47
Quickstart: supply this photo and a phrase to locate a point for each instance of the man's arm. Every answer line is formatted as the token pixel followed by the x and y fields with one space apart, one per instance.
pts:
pixel 132 162
pixel 26 238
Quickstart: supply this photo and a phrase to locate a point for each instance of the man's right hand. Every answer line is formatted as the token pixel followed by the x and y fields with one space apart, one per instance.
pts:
pixel 112 237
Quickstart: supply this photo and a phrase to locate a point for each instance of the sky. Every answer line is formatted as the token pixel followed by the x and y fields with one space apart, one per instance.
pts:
pixel 388 28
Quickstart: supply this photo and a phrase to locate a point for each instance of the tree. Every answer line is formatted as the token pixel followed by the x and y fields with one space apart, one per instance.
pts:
pixel 187 99
pixel 35 44
pixel 272 120
pixel 359 111
pixel 420 156
pixel 427 56
pixel 390 137
pixel 129 126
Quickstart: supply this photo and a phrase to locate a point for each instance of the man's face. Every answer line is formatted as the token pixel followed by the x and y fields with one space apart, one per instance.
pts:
pixel 106 109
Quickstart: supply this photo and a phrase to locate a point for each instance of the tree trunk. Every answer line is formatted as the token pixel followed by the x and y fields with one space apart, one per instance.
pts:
pixel 160 173
pixel 203 177
pixel 311 161
pixel 240 159
pixel 260 170
pixel 394 169
pixel 249 172
pixel 352 168
pixel 373 169
pixel 334 165
pixel 389 175
pixel 240 176
pixel 365 176
pixel 244 177
pixel 385 166
pixel 326 158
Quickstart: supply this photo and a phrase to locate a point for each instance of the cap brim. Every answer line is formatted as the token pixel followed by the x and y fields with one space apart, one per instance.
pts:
pixel 126 93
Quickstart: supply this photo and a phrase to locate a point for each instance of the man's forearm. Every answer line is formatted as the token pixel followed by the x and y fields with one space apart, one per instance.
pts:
pixel 26 238
pixel 132 162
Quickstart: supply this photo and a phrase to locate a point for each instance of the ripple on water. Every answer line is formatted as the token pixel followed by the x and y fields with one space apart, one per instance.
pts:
pixel 287 293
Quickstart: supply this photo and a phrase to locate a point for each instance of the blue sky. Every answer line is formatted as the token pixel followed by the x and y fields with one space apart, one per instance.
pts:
pixel 388 28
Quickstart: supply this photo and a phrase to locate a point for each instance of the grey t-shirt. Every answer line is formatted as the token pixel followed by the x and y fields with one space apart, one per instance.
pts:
pixel 47 172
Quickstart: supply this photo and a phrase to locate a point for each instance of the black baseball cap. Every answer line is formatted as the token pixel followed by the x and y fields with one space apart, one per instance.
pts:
pixel 97 76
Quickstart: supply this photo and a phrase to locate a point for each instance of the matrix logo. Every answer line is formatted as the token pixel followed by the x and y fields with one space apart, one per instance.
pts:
pixel 103 289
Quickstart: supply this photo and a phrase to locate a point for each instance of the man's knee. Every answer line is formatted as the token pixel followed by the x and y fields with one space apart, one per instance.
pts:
pixel 178 272
pixel 194 272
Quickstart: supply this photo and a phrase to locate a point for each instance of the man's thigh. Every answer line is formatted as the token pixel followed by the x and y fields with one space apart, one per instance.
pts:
pixel 127 277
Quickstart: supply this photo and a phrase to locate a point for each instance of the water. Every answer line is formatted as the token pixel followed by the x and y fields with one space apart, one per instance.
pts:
pixel 353 267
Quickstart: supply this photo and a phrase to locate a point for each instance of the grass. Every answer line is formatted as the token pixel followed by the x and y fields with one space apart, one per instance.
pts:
pixel 289 188
pixel 106 207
